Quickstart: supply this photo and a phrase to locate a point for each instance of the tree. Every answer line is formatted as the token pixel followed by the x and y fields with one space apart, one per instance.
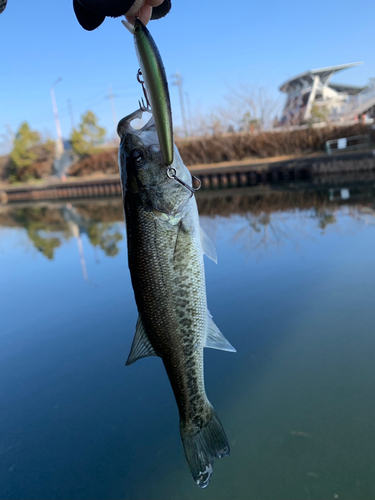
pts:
pixel 105 236
pixel 88 136
pixel 319 114
pixel 250 107
pixel 22 155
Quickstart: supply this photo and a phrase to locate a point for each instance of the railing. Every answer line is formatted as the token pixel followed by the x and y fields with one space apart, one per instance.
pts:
pixel 355 142
pixel 356 101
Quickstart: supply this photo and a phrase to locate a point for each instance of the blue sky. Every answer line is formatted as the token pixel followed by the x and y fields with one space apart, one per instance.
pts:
pixel 259 43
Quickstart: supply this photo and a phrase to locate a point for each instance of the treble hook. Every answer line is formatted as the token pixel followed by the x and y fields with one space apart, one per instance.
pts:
pixel 142 105
pixel 172 174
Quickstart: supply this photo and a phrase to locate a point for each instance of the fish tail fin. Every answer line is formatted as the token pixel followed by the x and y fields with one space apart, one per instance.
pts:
pixel 202 445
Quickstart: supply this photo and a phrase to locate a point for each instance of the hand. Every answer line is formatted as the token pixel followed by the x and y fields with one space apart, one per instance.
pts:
pixel 144 12
pixel 91 13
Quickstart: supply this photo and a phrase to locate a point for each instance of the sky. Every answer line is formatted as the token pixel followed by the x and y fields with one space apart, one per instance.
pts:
pixel 214 48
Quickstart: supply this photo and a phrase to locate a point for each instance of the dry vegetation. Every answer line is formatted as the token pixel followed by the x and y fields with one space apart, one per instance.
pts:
pixel 103 161
pixel 215 148
pixel 231 147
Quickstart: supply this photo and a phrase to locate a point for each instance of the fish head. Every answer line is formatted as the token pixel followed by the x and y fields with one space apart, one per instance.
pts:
pixel 143 172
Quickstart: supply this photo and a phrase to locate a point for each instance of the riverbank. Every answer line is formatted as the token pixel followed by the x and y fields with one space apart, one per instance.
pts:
pixel 248 172
pixel 216 149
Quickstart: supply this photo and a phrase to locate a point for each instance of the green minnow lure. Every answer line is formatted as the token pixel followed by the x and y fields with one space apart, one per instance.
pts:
pixel 155 79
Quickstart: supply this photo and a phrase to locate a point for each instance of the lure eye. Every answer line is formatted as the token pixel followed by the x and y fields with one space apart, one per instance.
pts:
pixel 138 157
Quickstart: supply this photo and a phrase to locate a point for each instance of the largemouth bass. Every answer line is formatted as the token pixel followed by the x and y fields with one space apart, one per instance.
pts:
pixel 165 250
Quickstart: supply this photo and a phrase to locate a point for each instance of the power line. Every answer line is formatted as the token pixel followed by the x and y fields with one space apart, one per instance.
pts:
pixel 114 114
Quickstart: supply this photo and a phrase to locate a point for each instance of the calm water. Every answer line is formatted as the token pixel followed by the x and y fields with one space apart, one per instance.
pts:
pixel 294 292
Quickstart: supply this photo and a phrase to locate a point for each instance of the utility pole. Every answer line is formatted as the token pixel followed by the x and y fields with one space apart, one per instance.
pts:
pixel 188 112
pixel 71 116
pixel 59 142
pixel 114 114
pixel 178 82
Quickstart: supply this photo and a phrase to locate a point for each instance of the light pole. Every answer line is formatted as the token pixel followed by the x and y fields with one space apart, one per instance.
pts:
pixel 59 142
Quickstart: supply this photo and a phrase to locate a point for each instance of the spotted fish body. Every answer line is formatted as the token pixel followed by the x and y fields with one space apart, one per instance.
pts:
pixel 165 251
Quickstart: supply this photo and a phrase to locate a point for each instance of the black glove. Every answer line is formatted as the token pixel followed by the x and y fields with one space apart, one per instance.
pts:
pixel 3 4
pixel 91 13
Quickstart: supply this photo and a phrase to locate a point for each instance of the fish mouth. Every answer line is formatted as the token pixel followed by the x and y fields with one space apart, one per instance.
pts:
pixel 124 126
pixel 147 134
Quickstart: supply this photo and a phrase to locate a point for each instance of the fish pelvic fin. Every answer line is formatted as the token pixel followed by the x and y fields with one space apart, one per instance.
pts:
pixel 207 246
pixel 141 346
pixel 215 339
pixel 202 446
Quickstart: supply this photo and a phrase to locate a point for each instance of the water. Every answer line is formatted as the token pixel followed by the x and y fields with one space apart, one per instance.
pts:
pixel 293 292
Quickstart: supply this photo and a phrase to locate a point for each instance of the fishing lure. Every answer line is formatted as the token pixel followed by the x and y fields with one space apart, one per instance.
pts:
pixel 157 92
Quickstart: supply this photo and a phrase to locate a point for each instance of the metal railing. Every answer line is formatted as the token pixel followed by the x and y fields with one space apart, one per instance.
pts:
pixel 358 100
pixel 345 143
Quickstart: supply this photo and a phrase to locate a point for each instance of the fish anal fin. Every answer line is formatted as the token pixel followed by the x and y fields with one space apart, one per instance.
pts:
pixel 215 339
pixel 141 347
pixel 207 246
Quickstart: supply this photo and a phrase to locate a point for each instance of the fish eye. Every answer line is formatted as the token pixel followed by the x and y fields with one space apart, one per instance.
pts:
pixel 137 156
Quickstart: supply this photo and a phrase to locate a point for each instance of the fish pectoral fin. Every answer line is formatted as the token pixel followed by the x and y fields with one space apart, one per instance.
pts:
pixel 215 339
pixel 207 246
pixel 141 347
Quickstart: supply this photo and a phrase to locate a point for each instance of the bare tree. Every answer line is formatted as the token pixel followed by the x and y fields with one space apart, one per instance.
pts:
pixel 246 108
pixel 251 106
pixel 6 140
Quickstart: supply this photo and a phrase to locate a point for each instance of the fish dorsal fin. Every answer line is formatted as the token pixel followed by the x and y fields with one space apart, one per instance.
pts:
pixel 141 346
pixel 215 339
pixel 207 246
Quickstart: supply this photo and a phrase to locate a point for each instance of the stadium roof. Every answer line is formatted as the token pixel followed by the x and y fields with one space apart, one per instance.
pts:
pixel 349 89
pixel 324 74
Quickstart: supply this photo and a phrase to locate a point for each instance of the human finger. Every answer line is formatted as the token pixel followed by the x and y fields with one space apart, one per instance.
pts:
pixel 154 3
pixel 144 14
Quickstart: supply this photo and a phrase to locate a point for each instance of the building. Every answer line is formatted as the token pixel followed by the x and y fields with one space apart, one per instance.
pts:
pixel 311 97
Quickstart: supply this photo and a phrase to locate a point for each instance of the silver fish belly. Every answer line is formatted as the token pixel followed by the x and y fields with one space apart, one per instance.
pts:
pixel 165 251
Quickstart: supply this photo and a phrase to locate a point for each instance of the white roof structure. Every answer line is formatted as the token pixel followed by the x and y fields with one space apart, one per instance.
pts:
pixel 324 75
pixel 310 95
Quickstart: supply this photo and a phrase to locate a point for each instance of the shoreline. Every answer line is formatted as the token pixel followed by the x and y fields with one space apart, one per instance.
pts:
pixel 247 172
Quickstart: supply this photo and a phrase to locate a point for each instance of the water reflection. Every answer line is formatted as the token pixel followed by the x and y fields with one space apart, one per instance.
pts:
pixel 265 217
pixel 296 400
pixel 49 225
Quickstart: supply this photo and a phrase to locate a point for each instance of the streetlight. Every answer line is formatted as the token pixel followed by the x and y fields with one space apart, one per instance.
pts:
pixel 59 142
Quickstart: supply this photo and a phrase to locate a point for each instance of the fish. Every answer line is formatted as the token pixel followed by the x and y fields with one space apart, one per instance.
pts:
pixel 165 252
pixel 155 79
